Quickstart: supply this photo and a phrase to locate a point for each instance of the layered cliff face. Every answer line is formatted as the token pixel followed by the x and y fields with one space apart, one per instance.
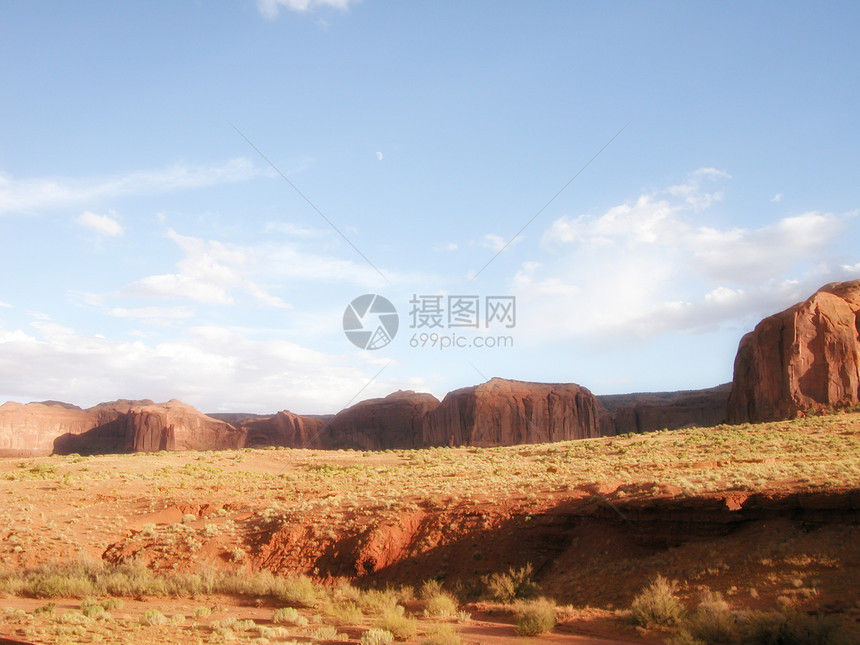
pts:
pixel 503 413
pixel 285 429
pixel 805 357
pixel 394 422
pixel 649 411
pixel 118 426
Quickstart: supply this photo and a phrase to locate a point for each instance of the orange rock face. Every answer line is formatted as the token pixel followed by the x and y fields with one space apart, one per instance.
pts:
pixel 393 422
pixel 806 357
pixel 118 426
pixel 503 413
pixel 648 411
pixel 285 429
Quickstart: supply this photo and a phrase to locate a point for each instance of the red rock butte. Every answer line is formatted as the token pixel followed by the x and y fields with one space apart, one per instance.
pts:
pixel 806 357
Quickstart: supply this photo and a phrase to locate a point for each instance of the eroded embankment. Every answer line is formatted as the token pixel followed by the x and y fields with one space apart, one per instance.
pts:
pixel 591 549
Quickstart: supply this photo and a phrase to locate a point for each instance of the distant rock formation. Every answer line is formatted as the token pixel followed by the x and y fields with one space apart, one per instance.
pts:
pixel 176 426
pixel 806 357
pixel 115 427
pixel 285 429
pixel 649 411
pixel 503 413
pixel 394 422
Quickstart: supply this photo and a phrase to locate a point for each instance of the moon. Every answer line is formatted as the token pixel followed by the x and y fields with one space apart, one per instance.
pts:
pixel 379 156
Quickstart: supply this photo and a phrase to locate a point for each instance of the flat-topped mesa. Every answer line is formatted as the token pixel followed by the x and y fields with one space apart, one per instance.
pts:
pixel 806 357
pixel 648 411
pixel 176 426
pixel 285 429
pixel 390 423
pixel 501 412
pixel 114 427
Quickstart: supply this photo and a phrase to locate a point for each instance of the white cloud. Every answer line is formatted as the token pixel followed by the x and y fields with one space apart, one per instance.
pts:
pixel 5 305
pixel 496 242
pixel 34 194
pixel 692 192
pixel 152 313
pixel 776 198
pixel 212 368
pixel 747 256
pixel 654 265
pixel 101 224
pixel 209 273
pixel 450 246
pixel 271 8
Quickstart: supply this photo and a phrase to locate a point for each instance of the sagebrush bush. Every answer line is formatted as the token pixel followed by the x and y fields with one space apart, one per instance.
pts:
pixel 285 615
pixel 791 628
pixel 712 621
pixel 535 617
pixel 396 621
pixel 345 613
pixel 429 588
pixel 657 604
pixel 441 605
pixel 377 637
pixel 153 617
pixel 444 635
pixel 510 586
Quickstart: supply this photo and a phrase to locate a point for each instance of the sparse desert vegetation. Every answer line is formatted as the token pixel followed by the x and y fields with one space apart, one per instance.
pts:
pixel 441 545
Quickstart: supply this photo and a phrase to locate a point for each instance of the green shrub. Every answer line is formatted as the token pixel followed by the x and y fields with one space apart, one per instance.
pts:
pixel 96 612
pixel 345 613
pixel 442 605
pixel 535 617
pixel 516 583
pixel 712 622
pixel 396 621
pixel 377 637
pixel 296 591
pixel 429 589
pixel 657 604
pixel 202 612
pixel 444 635
pixel 790 629
pixel 153 617
pixel 327 633
pixel 285 615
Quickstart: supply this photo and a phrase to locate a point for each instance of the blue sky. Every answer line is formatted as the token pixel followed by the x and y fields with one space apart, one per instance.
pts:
pixel 151 251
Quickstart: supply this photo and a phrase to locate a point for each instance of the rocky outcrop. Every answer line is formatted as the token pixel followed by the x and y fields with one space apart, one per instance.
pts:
pixel 806 357
pixel 115 427
pixel 393 422
pixel 503 413
pixel 176 426
pixel 285 429
pixel 648 411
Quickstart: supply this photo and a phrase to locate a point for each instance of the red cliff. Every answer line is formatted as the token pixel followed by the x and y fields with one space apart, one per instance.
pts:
pixel 393 422
pixel 806 357
pixel 503 413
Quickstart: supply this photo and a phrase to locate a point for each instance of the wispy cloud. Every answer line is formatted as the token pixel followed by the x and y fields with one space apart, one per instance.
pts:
pixel 38 193
pixel 101 224
pixel 209 273
pixel 496 242
pixel 271 8
pixel 450 246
